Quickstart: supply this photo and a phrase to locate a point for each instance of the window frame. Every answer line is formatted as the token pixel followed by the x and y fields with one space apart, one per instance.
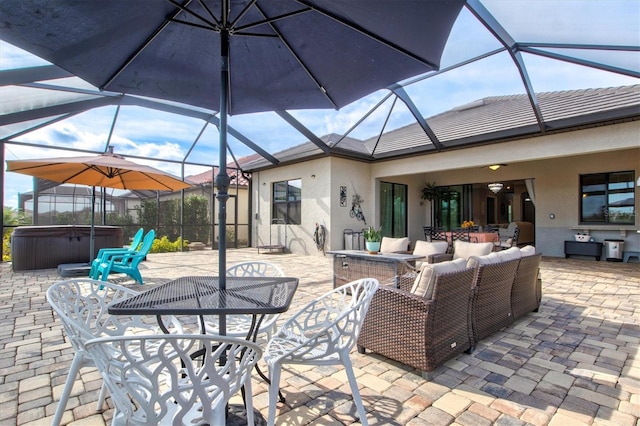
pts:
pixel 605 189
pixel 286 205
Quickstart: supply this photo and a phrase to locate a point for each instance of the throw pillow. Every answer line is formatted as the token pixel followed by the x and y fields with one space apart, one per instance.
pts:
pixel 487 259
pixel 527 251
pixel 464 249
pixel 394 245
pixel 426 279
pixel 512 253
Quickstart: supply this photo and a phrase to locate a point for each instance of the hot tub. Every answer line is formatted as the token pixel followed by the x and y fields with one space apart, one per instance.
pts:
pixel 45 247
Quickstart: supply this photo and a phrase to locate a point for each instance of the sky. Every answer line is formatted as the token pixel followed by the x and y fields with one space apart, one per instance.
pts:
pixel 169 138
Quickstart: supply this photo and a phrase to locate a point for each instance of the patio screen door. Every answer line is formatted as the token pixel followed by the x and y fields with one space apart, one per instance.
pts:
pixel 393 209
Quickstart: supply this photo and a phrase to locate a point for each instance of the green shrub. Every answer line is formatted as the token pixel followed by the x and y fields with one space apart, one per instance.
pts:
pixel 163 245
pixel 11 218
pixel 6 247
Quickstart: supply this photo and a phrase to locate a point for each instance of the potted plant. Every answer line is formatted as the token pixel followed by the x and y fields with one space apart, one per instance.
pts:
pixel 373 238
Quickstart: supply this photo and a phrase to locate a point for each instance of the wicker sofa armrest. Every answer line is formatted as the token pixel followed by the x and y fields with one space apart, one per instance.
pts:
pixel 525 294
pixel 491 309
pixel 419 332
pixel 395 326
pixel 440 257
pixel 388 300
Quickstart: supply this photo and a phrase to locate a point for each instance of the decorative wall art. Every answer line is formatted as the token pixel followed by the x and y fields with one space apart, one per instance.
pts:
pixel 343 196
pixel 356 210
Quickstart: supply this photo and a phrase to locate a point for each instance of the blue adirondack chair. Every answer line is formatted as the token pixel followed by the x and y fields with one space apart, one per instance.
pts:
pixel 127 263
pixel 104 253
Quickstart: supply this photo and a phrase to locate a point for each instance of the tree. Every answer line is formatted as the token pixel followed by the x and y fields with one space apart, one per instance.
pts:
pixel 125 221
pixel 164 218
pixel 148 214
pixel 196 218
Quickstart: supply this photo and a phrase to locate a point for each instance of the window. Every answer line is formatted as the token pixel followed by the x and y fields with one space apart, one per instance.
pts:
pixel 287 196
pixel 608 198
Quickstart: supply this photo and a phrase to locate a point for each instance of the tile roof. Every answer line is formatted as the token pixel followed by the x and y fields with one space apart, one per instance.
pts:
pixel 504 116
pixel 209 176
pixel 487 119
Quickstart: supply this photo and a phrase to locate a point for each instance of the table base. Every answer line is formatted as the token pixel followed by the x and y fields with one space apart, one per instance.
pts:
pixel 237 416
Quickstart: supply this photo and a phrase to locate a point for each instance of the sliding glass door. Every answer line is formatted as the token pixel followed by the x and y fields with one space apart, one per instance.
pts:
pixel 393 209
pixel 455 206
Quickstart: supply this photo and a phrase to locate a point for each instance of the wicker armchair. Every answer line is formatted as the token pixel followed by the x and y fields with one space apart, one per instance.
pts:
pixel 491 307
pixel 419 332
pixel 526 292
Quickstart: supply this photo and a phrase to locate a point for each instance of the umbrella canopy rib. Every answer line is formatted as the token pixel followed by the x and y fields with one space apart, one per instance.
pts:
pixel 135 54
pixel 382 41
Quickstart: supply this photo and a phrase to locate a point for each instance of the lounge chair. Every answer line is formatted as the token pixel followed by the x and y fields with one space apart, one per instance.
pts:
pixel 127 263
pixel 104 253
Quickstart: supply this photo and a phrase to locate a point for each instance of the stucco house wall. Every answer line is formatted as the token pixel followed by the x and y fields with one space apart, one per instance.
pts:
pixel 554 161
pixel 316 185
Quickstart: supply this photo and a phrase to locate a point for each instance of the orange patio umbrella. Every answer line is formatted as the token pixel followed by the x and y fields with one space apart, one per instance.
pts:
pixel 107 170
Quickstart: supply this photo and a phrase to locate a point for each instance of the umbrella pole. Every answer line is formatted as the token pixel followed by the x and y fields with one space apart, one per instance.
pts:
pixel 92 235
pixel 222 179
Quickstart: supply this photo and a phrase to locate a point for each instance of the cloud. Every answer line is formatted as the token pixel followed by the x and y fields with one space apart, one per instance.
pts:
pixel 66 134
pixel 15 58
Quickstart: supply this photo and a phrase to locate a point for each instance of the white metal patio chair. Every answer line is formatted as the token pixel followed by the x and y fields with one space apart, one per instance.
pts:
pixel 321 333
pixel 81 304
pixel 184 379
pixel 240 325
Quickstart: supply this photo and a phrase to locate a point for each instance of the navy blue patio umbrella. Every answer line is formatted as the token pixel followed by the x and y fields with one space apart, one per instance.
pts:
pixel 236 56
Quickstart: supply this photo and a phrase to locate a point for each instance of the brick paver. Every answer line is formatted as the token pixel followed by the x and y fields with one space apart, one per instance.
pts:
pixel 576 361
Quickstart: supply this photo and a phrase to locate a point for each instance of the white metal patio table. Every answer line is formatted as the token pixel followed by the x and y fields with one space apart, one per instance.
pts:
pixel 200 295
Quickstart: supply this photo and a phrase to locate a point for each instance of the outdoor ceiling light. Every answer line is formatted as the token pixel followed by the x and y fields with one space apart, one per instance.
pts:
pixel 495 167
pixel 495 187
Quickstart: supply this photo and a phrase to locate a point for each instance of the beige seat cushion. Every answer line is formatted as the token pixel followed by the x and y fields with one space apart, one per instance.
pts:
pixel 426 248
pixel 527 251
pixel 394 245
pixel 494 257
pixel 487 259
pixel 423 285
pixel 512 253
pixel 464 250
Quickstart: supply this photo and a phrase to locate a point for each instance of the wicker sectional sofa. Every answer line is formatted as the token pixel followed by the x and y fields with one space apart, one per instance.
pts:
pixel 464 303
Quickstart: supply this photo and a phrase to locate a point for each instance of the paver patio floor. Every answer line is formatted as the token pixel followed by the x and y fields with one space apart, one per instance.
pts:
pixel 574 362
